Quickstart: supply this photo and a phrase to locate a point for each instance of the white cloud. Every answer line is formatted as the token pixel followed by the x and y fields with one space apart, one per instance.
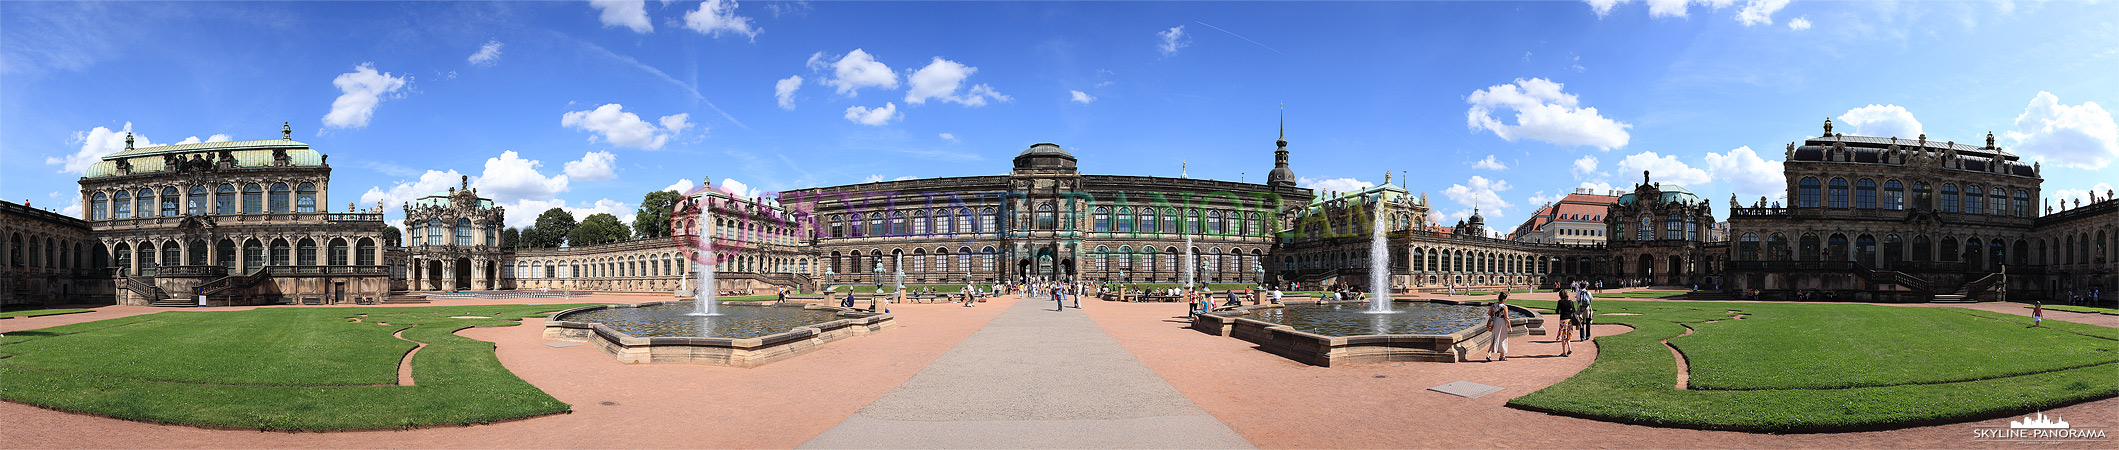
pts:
pixel 523 213
pixel 1882 121
pixel 682 185
pixel 509 178
pixel 1333 184
pixel 363 88
pixel 863 115
pixel 740 189
pixel 219 138
pixel 1173 39
pixel 905 177
pixel 96 143
pixel 1541 199
pixel 624 13
pixel 1752 176
pixel 1598 187
pixel 715 17
pixel 1665 169
pixel 1602 7
pixel 2081 136
pixel 854 71
pixel 195 140
pixel 393 200
pixel 1585 166
pixel 1800 23
pixel 2060 196
pixel 1543 113
pixel 1481 193
pixel 1489 164
pixel 1759 12
pixel 872 179
pixel 593 166
pixel 940 80
pixel 1081 97
pixel 614 125
pixel 487 55
pixel 785 91
pixel 949 137
pixel 73 210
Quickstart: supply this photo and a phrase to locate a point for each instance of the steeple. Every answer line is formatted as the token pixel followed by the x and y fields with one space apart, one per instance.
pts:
pixel 1281 176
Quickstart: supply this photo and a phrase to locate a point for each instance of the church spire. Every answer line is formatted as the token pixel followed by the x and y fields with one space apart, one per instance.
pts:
pixel 1281 174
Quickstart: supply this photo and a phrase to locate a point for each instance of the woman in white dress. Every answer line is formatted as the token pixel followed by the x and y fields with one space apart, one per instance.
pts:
pixel 1497 324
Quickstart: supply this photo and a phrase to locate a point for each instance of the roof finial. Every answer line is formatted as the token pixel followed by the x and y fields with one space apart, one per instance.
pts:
pixel 467 182
pixel 1386 177
pixel 1283 126
pixel 128 140
pixel 1182 168
pixel 1828 126
pixel 1990 139
pixel 286 131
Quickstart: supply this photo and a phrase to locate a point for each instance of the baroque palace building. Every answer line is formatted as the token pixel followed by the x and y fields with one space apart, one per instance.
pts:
pixel 1327 244
pixel 47 258
pixel 244 222
pixel 760 245
pixel 1911 220
pixel 1663 235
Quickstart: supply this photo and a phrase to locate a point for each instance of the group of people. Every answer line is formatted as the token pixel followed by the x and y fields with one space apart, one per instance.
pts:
pixel 2083 298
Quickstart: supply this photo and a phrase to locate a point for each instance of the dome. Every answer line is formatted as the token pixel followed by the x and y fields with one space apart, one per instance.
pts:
pixel 1045 156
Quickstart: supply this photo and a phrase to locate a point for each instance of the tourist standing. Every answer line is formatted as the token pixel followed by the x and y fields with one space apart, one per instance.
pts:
pixel 1497 324
pixel 1059 301
pixel 1584 315
pixel 1565 311
pixel 1076 293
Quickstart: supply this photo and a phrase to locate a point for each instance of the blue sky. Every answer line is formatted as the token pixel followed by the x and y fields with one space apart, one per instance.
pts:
pixel 588 105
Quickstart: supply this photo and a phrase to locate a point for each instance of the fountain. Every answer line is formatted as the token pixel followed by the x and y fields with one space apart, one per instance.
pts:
pixel 706 304
pixel 1379 262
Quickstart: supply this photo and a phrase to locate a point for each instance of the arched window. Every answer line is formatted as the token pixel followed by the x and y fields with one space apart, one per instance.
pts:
pixel 1922 197
pixel 1747 247
pixel 1169 220
pixel 337 252
pixel 144 201
pixel 987 221
pixel 963 260
pixel 1647 231
pixel 963 220
pixel 1045 219
pixel 1835 248
pixel 1947 252
pixel 1102 218
pixel 875 225
pixel 1949 197
pixel 280 252
pixel 1808 247
pixel 364 253
pixel 253 199
pixel 1214 227
pixel 493 235
pixel 253 255
pixel 121 205
pixel 1894 195
pixel 168 200
pixel 1192 224
pixel 1777 248
pixel 99 207
pixel 1894 250
pixel 1123 221
pixel 463 232
pixel 195 201
pixel 838 225
pixel 305 198
pixel 2023 203
pixel 279 201
pixel 305 252
pixel 1146 219
pixel 171 253
pixel 1865 194
pixel 224 200
pixel 919 222
pixel 1806 193
pixel 1839 193
pixel 1923 249
pixel 1998 204
pixel 942 222
pixel 1973 200
pixel 123 253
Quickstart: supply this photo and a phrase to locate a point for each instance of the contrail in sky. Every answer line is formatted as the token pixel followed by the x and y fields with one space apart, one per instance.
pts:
pixel 1239 36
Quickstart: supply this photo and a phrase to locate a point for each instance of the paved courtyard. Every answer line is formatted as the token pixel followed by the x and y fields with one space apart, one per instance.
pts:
pixel 1006 374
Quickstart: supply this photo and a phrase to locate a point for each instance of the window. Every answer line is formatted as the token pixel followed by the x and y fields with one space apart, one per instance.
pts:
pixel 1973 200
pixel 1169 220
pixel 1674 228
pixel 1255 227
pixel 1214 223
pixel 838 226
pixel 1922 198
pixel 99 207
pixel 2023 203
pixel 919 222
pixel 1192 221
pixel 305 252
pixel 875 225
pixel 279 198
pixel 305 198
pixel 1998 204
pixel 144 201
pixel 1102 219
pixel 1806 193
pixel 986 222
pixel 338 252
pixel 1923 248
pixel 1865 194
pixel 493 235
pixel 224 200
pixel 1747 247
pixel 1045 220
pixel 963 220
pixel 1647 231
pixel 253 199
pixel 1124 223
pixel 1894 195
pixel 169 201
pixel 1147 220
pixel 123 203
pixel 1839 193
pixel 1949 197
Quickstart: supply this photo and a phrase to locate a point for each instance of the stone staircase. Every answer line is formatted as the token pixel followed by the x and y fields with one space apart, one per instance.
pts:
pixel 402 299
pixel 175 303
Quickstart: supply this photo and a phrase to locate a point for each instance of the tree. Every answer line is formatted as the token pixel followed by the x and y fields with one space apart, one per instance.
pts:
pixel 551 229
pixel 653 218
pixel 510 238
pixel 392 237
pixel 599 228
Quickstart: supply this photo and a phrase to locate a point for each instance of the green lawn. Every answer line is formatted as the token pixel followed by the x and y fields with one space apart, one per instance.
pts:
pixel 275 368
pixel 1813 367
pixel 1640 294
pixel 2082 309
pixel 41 312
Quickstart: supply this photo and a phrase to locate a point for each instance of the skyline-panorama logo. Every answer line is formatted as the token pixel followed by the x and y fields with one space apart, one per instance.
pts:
pixel 2039 428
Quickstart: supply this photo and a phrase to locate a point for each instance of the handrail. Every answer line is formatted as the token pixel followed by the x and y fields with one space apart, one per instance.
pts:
pixel 145 287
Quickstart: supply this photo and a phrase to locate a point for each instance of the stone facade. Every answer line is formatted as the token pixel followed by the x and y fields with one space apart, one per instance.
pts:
pixel 1659 235
pixel 1327 244
pixel 452 242
pixel 1907 219
pixel 47 258
pixel 1577 219
pixel 2073 251
pixel 246 221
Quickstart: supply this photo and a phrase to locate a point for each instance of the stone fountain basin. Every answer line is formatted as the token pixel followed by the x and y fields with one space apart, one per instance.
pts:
pixel 735 352
pixel 1322 350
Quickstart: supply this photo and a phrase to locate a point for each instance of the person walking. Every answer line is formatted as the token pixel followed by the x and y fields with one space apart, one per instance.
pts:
pixel 1076 293
pixel 1059 303
pixel 1583 316
pixel 1497 325
pixel 2037 314
pixel 1564 310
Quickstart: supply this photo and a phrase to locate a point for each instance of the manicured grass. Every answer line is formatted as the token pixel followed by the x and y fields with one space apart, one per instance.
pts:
pixel 1640 294
pixel 2082 309
pixel 276 368
pixel 41 312
pixel 1815 367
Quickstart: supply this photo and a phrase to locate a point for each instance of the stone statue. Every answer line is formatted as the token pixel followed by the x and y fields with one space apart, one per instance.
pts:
pixel 1990 139
pixel 1828 126
pixel 286 131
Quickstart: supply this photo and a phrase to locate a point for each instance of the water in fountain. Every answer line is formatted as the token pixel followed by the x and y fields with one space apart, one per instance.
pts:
pixel 1189 263
pixel 1379 260
pixel 706 303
